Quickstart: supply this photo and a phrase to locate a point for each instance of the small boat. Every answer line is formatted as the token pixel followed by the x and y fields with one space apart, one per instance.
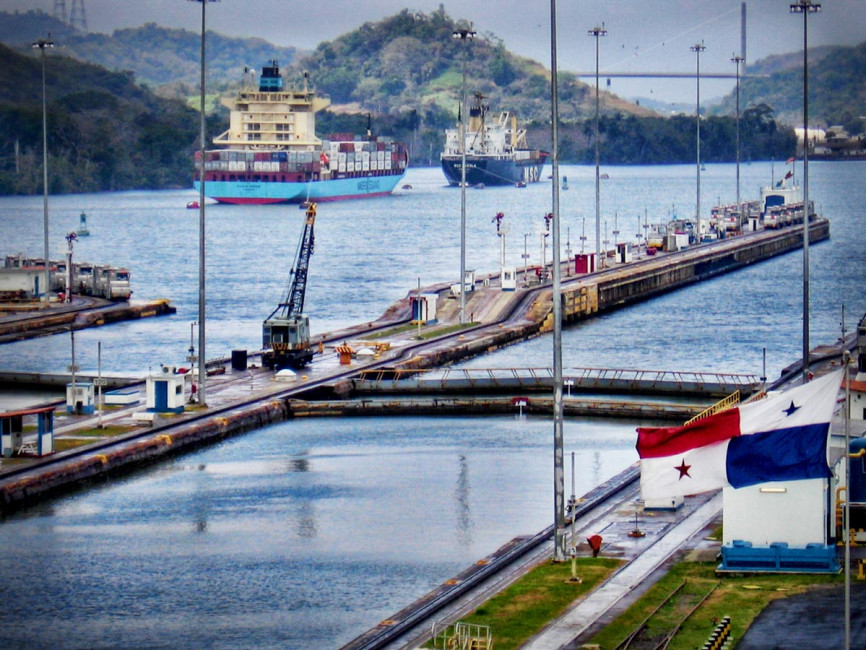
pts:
pixel 520 184
pixel 193 205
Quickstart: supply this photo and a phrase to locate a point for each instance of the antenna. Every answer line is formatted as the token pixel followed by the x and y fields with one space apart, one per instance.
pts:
pixel 60 10
pixel 77 15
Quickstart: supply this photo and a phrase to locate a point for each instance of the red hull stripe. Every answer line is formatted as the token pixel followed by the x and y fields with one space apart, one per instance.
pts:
pixel 668 441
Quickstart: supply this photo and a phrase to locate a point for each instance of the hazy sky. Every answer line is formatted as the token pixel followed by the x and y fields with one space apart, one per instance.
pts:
pixel 643 35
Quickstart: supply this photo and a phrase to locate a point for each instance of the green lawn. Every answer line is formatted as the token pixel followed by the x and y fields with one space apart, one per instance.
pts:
pixel 700 599
pixel 524 608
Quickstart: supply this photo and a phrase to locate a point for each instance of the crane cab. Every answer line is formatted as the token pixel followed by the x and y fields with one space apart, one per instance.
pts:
pixel 286 342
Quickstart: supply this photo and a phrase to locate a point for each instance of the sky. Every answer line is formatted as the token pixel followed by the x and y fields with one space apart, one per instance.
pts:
pixel 649 36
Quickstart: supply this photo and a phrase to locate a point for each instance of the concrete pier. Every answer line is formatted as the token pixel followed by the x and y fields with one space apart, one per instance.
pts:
pixel 81 313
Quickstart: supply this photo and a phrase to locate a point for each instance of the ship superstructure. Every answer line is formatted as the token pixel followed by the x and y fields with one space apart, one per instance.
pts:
pixel 271 154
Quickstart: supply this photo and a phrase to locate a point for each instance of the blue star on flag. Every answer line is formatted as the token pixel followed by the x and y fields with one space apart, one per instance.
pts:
pixel 791 409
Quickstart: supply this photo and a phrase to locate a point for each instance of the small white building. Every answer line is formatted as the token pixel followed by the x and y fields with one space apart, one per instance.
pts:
pixel 80 398
pixel 509 279
pixel 424 308
pixel 165 391
pixel 26 282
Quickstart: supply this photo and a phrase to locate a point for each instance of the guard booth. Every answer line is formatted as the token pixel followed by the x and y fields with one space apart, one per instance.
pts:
pixel 623 252
pixel 165 391
pixel 12 440
pixel 80 398
pixel 509 279
pixel 584 263
pixel 468 283
pixel 424 308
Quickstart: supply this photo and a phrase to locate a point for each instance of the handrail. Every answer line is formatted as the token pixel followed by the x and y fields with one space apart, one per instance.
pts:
pixel 722 405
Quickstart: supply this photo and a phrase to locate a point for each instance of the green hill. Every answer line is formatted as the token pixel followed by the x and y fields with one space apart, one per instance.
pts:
pixel 837 87
pixel 105 132
pixel 166 59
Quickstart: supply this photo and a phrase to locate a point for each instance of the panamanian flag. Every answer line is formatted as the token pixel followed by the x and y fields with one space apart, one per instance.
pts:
pixel 780 438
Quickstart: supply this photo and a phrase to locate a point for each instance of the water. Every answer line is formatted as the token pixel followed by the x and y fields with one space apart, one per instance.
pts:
pixel 306 533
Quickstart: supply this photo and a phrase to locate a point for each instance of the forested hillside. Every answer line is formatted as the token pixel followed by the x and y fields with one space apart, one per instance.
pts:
pixel 837 87
pixel 105 132
pixel 168 60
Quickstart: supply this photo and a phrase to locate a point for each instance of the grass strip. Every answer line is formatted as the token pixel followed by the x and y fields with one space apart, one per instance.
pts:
pixel 534 600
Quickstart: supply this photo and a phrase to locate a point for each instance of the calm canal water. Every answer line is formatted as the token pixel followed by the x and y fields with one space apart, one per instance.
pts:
pixel 305 534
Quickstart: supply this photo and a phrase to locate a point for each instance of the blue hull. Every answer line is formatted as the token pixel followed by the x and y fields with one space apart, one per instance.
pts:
pixel 341 189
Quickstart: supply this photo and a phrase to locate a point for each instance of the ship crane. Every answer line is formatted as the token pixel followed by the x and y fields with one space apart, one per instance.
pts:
pixel 286 332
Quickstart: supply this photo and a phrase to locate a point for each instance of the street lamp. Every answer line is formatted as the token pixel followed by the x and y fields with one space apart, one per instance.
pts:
pixel 805 7
pixel 697 49
pixel 558 464
pixel 202 370
pixel 525 257
pixel 465 35
pixel 737 60
pixel 42 44
pixel 597 32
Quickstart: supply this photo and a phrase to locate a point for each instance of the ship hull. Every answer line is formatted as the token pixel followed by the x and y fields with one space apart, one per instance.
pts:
pixel 263 193
pixel 492 170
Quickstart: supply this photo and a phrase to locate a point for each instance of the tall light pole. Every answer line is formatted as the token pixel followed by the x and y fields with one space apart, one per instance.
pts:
pixel 558 462
pixel 202 370
pixel 42 44
pixel 597 32
pixel 465 34
pixel 805 7
pixel 737 60
pixel 697 49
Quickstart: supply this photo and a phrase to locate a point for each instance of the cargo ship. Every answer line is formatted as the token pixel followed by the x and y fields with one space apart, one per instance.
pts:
pixel 495 148
pixel 271 154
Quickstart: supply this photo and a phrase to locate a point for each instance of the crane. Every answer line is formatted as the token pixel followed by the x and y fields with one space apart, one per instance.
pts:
pixel 286 332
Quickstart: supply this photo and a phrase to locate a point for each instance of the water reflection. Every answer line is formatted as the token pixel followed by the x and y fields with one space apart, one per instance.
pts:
pixel 201 499
pixel 462 504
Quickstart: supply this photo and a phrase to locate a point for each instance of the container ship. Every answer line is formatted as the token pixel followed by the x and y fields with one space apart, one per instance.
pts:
pixel 495 148
pixel 270 152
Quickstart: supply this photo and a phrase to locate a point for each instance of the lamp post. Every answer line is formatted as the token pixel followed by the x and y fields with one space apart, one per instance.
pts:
pixel 558 462
pixel 465 35
pixel 737 60
pixel 805 7
pixel 697 49
pixel 42 44
pixel 202 370
pixel 525 256
pixel 597 32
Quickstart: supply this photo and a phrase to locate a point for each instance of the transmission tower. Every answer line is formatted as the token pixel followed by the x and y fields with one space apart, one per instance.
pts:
pixel 60 10
pixel 77 15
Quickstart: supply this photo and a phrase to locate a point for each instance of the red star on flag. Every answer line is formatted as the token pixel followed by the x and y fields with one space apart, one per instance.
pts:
pixel 683 469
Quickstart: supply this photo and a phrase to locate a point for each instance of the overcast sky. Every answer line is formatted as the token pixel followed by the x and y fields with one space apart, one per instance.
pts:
pixel 643 35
